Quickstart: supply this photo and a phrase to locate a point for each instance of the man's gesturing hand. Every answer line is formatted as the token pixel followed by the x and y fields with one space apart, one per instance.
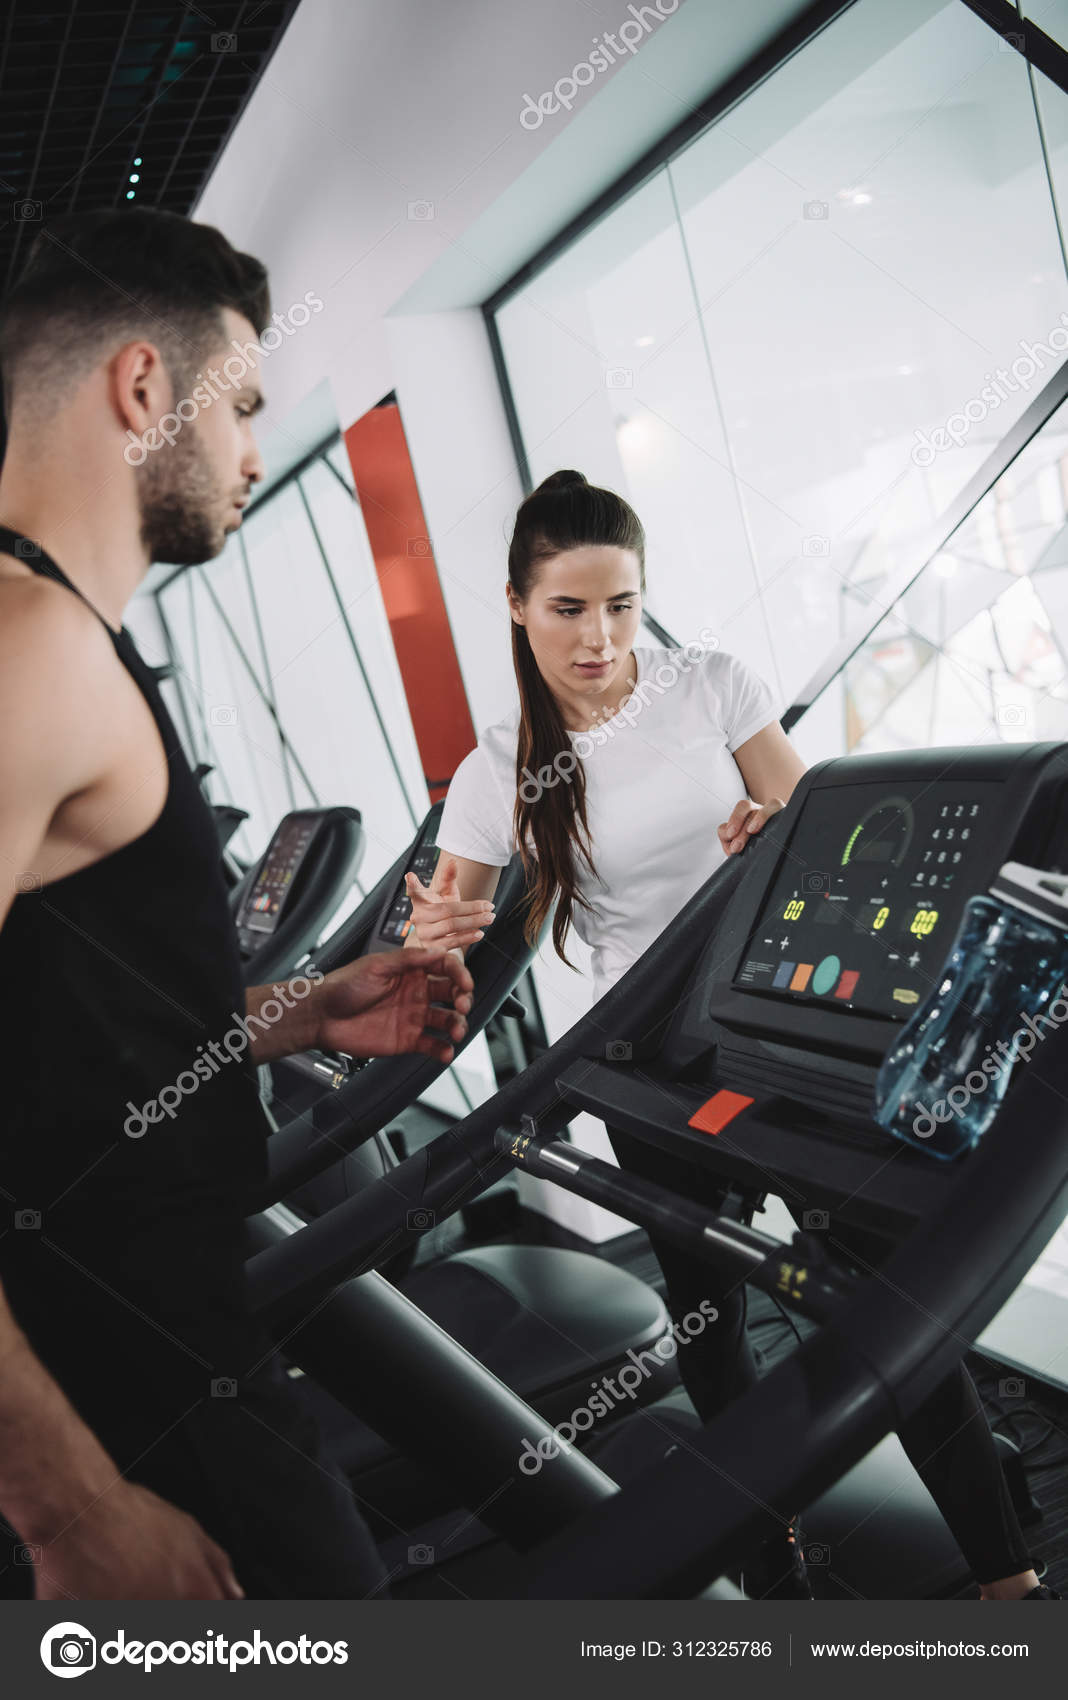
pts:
pixel 381 1006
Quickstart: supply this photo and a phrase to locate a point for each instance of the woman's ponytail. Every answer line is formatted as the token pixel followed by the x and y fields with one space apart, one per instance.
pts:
pixel 564 512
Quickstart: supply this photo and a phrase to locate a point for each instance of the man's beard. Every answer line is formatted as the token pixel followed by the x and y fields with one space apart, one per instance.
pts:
pixel 177 493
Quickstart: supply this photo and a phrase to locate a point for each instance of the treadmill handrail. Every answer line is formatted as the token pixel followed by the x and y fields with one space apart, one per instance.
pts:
pixel 340 1121
pixel 819 1412
pixel 464 1161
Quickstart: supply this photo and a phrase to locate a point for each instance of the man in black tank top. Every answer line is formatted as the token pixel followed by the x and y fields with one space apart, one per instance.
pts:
pixel 150 1445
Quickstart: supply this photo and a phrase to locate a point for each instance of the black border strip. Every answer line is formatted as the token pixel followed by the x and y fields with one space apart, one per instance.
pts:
pixel 1039 49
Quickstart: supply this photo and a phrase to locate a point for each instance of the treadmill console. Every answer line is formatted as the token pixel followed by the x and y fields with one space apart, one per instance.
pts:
pixel 358 937
pixel 867 897
pixel 848 912
pixel 395 920
pixel 262 908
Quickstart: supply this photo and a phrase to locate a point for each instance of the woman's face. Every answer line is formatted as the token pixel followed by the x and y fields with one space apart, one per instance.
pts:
pixel 581 617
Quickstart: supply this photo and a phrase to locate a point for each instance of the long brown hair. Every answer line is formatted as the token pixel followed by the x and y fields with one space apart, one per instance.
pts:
pixel 564 512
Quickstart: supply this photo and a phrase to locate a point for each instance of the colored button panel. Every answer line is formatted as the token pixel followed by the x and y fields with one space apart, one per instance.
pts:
pixel 826 975
pixel 847 985
pixel 782 975
pixel 801 977
pixel 720 1109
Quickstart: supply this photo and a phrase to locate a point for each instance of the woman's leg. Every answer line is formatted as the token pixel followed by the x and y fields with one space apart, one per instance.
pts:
pixel 949 1443
pixel 717 1365
pixel 947 1440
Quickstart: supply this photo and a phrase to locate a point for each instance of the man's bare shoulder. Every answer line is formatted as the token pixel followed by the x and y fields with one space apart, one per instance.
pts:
pixel 47 630
pixel 61 685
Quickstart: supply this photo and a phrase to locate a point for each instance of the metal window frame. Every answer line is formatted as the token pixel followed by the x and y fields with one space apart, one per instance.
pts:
pixel 293 477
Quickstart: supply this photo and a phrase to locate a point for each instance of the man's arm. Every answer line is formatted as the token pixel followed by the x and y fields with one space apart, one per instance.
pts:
pixel 91 1534
pixel 289 1025
pixel 95 1535
pixel 50 1462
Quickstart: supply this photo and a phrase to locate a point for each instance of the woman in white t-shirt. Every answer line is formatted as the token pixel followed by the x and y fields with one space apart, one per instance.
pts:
pixel 626 774
pixel 625 777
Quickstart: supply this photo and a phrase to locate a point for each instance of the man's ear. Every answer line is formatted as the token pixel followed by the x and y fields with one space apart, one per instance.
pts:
pixel 140 384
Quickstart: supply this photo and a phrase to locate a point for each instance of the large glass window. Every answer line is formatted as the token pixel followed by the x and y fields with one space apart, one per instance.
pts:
pixel 976 646
pixel 287 673
pixel 794 345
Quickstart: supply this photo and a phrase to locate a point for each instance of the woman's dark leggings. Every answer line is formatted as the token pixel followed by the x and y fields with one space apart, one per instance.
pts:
pixel 948 1439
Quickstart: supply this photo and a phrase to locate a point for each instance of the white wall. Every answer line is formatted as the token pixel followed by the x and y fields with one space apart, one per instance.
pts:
pixel 365 117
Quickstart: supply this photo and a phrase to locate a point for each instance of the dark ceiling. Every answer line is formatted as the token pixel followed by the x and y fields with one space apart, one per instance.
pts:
pixel 88 88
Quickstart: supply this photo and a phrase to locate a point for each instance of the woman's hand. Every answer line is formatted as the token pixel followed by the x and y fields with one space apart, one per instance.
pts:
pixel 441 917
pixel 747 817
pixel 384 1005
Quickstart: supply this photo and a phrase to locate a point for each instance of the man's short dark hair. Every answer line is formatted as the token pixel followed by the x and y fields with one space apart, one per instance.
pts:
pixel 93 281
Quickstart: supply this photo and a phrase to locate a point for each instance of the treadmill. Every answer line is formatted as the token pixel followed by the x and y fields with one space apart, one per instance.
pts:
pixel 717 1049
pixel 542 1318
pixel 281 904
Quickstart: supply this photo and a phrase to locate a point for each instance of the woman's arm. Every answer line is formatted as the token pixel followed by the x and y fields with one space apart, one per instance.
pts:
pixel 452 912
pixel 770 767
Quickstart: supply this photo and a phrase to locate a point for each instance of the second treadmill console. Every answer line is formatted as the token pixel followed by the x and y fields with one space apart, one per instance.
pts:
pixel 262 908
pixel 395 921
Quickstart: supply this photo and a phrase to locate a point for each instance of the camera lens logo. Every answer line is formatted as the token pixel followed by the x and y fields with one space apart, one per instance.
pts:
pixel 68 1650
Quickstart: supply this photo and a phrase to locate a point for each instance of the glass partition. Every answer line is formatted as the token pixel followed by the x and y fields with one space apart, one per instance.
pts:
pixel 288 675
pixel 793 346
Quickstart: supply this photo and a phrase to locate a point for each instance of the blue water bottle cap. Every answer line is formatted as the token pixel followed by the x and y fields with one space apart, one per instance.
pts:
pixel 1035 891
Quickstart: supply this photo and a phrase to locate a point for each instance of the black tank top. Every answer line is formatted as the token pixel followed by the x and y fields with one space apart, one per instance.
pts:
pixel 123 1251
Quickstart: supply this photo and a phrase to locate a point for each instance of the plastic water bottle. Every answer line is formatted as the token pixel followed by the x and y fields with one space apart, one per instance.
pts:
pixel 1001 992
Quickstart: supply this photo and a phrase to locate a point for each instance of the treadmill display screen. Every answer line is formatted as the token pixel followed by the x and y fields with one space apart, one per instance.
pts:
pixel 262 907
pixel 869 895
pixel 398 922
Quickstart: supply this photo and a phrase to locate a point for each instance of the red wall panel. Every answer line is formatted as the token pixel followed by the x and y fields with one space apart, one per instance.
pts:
pixel 408 578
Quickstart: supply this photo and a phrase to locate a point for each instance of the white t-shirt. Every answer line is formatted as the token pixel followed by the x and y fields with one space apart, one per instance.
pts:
pixel 660 778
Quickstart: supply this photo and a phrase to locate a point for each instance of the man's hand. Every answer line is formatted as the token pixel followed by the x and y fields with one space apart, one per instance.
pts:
pixel 132 1545
pixel 746 818
pixel 385 1005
